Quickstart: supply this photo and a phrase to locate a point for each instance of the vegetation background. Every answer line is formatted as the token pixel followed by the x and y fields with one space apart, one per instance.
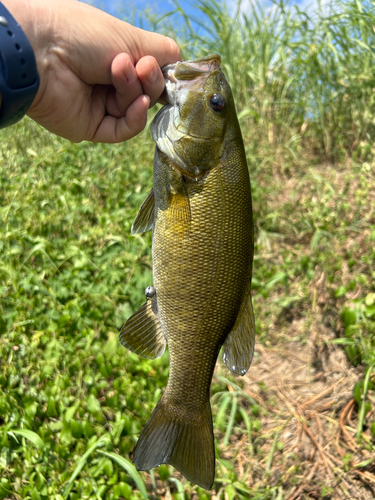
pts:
pixel 301 423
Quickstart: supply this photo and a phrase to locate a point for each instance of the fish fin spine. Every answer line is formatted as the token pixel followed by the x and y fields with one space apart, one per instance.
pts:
pixel 181 438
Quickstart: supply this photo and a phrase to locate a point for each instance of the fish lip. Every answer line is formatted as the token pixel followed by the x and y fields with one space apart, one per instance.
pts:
pixel 168 73
pixel 169 80
pixel 192 68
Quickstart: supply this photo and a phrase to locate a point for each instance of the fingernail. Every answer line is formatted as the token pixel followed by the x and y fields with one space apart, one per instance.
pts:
pixel 153 75
pixel 146 101
pixel 129 72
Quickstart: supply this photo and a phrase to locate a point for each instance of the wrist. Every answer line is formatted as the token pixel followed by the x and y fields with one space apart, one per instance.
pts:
pixel 20 11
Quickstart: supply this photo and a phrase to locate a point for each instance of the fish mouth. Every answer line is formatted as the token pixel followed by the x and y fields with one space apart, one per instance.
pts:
pixel 187 71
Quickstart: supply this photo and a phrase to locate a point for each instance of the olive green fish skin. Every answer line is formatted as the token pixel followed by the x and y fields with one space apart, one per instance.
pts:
pixel 202 253
pixel 201 271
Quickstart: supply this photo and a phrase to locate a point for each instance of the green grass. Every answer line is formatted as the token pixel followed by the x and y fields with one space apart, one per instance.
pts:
pixel 70 276
pixel 72 401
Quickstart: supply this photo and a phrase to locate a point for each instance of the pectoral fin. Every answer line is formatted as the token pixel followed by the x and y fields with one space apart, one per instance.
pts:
pixel 180 210
pixel 142 332
pixel 179 205
pixel 239 345
pixel 145 217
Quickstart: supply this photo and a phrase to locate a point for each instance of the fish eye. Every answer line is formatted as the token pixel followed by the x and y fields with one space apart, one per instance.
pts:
pixel 217 103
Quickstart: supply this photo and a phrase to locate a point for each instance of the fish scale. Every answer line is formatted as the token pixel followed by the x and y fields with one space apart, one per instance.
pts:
pixel 202 250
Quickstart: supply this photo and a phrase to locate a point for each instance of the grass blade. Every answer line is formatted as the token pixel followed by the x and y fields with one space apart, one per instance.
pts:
pixel 129 468
pixel 272 452
pixel 362 410
pixel 100 442
pixel 247 421
pixel 220 417
pixel 230 424
pixel 180 495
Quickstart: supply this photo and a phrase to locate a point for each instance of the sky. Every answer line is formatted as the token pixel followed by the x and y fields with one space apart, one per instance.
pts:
pixel 120 8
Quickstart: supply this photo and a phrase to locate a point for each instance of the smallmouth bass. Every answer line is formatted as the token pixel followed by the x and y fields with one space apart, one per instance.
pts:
pixel 202 250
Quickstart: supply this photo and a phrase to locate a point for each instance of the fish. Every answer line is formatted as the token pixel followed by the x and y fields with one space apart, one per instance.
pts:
pixel 200 213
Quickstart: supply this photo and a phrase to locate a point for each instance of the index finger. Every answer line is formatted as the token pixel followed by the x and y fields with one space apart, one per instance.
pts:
pixel 146 43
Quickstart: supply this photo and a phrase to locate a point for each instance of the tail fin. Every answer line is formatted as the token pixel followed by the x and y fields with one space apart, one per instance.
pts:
pixel 182 439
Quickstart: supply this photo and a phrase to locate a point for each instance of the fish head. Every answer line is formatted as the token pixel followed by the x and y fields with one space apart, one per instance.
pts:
pixel 191 129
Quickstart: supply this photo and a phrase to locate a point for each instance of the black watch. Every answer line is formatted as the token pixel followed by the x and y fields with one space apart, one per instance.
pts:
pixel 19 78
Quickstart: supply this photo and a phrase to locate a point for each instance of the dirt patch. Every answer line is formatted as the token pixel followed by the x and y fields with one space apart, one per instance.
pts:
pixel 307 392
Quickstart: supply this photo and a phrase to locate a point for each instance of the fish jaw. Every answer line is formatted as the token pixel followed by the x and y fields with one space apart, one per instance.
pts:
pixel 188 75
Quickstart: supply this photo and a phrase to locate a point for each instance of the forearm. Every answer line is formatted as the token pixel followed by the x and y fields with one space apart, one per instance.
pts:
pixel 16 7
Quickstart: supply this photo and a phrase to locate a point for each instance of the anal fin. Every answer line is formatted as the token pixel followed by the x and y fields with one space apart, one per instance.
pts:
pixel 239 345
pixel 142 332
pixel 145 217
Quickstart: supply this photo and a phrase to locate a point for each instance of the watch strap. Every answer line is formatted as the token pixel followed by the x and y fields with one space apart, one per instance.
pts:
pixel 19 78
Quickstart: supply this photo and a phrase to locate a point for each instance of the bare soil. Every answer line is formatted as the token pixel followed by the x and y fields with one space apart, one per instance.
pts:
pixel 307 391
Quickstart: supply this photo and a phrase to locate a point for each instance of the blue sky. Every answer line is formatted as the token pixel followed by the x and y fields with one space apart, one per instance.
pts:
pixel 120 8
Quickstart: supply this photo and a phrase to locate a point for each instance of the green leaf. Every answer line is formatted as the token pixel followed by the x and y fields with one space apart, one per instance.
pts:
pixel 164 472
pixel 357 391
pixel 370 299
pixel 342 341
pixel 30 435
pixel 365 463
pixel 341 291
pixel 35 494
pixel 93 404
pixel 231 491
pixel 348 316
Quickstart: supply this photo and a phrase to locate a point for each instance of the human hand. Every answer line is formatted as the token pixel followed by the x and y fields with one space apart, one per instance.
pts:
pixel 98 75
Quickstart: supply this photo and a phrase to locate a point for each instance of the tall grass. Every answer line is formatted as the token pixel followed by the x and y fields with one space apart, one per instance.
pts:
pixel 296 75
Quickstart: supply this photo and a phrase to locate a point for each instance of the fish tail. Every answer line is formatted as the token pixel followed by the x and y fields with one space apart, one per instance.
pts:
pixel 181 438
